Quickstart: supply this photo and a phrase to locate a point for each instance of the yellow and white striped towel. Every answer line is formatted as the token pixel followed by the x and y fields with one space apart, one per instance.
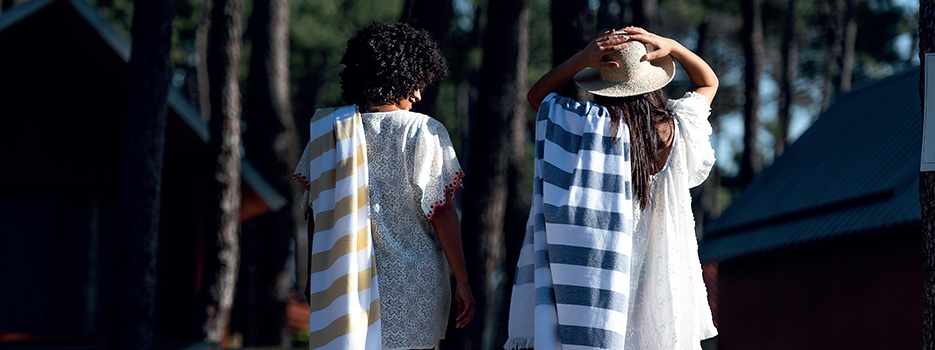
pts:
pixel 345 302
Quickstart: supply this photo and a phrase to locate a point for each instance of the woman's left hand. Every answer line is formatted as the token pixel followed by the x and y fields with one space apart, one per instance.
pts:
pixel 663 46
pixel 465 300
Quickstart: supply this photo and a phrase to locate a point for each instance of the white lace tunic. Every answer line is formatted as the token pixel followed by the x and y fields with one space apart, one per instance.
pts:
pixel 668 305
pixel 412 166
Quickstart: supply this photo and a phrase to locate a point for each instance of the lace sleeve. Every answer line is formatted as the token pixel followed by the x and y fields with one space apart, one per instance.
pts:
pixel 436 170
pixel 692 111
pixel 301 175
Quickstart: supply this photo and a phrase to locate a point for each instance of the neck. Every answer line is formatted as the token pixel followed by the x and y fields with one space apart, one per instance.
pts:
pixel 388 107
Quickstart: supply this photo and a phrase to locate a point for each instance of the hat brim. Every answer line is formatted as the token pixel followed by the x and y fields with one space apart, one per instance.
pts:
pixel 660 73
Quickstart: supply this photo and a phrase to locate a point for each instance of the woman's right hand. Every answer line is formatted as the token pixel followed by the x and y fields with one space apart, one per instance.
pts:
pixel 609 42
pixel 465 300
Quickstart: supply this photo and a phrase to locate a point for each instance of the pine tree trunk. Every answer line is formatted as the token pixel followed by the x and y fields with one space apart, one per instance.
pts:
pixel 644 13
pixel 519 197
pixel 832 36
pixel 571 32
pixel 270 143
pixel 927 187
pixel 141 178
pixel 790 63
pixel 751 162
pixel 611 15
pixel 201 51
pixel 435 17
pixel 221 248
pixel 487 183
pixel 850 40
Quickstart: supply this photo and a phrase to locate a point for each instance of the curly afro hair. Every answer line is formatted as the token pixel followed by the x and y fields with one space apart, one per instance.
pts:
pixel 387 62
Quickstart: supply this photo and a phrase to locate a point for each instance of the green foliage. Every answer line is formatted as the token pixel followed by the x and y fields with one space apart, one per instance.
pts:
pixel 690 12
pixel 118 12
pixel 540 40
pixel 318 31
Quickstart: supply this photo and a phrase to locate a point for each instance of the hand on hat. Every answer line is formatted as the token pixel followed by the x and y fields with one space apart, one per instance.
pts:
pixel 607 43
pixel 663 46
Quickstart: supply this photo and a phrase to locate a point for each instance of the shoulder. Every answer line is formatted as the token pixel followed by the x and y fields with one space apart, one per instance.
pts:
pixel 554 101
pixel 691 103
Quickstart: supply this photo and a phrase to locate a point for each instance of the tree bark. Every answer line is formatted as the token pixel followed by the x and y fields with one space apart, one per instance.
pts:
pixel 644 13
pixel 751 162
pixel 790 63
pixel 850 40
pixel 832 36
pixel 611 15
pixel 141 177
pixel 201 51
pixel 222 252
pixel 927 187
pixel 519 197
pixel 270 143
pixel 492 152
pixel 435 17
pixel 571 32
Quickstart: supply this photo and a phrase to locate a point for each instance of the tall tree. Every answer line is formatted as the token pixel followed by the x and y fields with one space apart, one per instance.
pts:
pixel 848 44
pixel 221 248
pixel 141 177
pixel 519 197
pixel 485 203
pixel 270 143
pixel 435 17
pixel 201 67
pixel 645 13
pixel 789 73
pixel 611 15
pixel 830 24
pixel 927 187
pixel 751 161
pixel 571 32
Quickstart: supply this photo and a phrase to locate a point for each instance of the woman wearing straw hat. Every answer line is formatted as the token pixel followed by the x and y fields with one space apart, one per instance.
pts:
pixel 610 258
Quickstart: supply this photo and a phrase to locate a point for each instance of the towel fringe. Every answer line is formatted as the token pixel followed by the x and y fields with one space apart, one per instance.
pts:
pixel 519 343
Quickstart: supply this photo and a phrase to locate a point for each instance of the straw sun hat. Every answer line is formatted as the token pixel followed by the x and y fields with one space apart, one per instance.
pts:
pixel 632 77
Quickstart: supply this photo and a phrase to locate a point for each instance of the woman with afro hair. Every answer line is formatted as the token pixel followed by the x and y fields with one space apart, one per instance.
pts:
pixel 412 174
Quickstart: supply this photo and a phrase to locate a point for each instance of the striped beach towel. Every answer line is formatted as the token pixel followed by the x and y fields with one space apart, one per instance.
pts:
pixel 572 281
pixel 345 303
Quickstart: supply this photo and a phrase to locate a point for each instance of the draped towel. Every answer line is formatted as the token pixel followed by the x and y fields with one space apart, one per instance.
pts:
pixel 572 280
pixel 345 303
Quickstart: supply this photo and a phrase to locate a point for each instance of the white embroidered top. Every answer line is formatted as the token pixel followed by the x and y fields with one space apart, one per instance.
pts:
pixel 668 304
pixel 412 167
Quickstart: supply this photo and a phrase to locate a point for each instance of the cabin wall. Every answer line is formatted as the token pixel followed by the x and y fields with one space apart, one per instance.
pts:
pixel 861 292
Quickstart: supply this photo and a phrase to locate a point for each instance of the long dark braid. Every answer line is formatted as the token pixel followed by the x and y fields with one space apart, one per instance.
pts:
pixel 644 140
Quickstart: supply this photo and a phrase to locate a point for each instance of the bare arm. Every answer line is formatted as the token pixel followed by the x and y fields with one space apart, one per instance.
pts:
pixel 590 56
pixel 698 70
pixel 448 230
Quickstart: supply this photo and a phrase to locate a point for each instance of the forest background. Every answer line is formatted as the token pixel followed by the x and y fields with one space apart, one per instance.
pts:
pixel 780 63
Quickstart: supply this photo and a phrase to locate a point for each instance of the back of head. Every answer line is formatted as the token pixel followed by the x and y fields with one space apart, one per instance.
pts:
pixel 386 62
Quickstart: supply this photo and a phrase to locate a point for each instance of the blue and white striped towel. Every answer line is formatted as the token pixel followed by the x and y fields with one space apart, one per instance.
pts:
pixel 573 277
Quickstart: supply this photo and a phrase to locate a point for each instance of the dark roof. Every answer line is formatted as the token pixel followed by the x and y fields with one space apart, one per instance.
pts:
pixel 855 170
pixel 108 49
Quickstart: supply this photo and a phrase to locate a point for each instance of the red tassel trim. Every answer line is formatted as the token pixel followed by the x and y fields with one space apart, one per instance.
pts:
pixel 453 187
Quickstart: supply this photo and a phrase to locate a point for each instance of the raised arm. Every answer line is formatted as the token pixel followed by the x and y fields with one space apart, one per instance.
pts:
pixel 591 56
pixel 698 70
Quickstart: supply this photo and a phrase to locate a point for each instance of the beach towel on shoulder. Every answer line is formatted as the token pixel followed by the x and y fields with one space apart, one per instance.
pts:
pixel 572 281
pixel 344 299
